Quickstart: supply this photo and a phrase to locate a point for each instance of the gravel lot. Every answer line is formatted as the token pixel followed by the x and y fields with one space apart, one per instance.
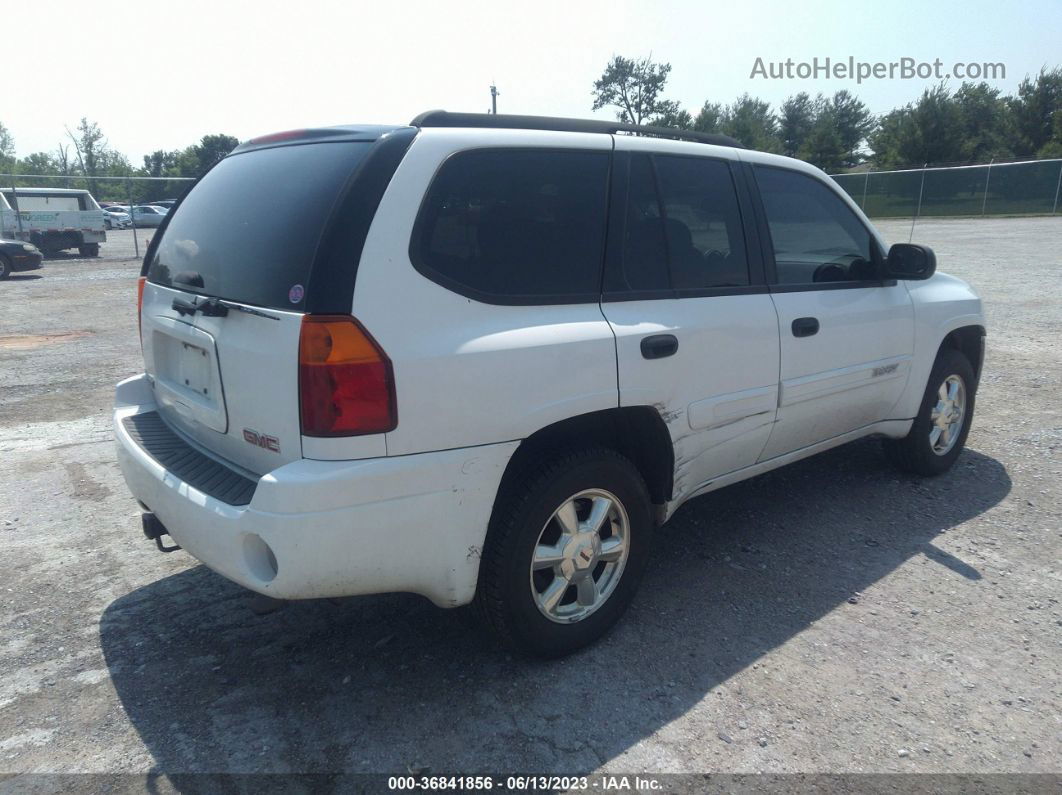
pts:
pixel 828 617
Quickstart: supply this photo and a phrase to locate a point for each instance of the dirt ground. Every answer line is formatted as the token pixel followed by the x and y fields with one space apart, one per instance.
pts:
pixel 833 616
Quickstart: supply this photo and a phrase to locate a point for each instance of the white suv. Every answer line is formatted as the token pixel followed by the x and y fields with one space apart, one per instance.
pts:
pixel 480 358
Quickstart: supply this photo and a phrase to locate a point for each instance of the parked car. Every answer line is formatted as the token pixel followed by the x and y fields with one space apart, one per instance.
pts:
pixel 148 215
pixel 116 218
pixel 18 255
pixel 482 358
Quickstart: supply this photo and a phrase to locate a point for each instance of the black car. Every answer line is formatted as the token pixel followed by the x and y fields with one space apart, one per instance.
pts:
pixel 18 256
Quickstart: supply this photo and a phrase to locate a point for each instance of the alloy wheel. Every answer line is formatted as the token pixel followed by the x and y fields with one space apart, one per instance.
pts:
pixel 580 555
pixel 947 415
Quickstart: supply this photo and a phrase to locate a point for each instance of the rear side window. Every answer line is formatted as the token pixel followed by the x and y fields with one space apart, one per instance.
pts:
pixel 248 231
pixel 682 227
pixel 515 225
pixel 816 236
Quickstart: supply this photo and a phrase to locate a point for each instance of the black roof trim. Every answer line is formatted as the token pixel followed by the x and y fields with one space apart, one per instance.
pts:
pixel 442 118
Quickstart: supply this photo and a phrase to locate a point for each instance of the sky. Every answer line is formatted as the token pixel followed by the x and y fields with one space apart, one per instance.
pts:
pixel 160 75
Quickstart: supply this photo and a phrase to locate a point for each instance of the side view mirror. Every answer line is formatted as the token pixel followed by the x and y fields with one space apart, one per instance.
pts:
pixel 910 261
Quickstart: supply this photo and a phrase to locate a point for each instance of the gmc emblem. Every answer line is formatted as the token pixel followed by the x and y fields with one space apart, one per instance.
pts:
pixel 270 443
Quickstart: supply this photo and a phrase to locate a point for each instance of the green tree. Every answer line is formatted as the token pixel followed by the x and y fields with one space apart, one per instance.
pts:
pixel 7 149
pixel 1053 148
pixel 823 146
pixel 634 87
pixel 887 140
pixel 928 131
pixel 796 117
pixel 209 150
pixel 39 163
pixel 937 132
pixel 161 164
pixel 751 121
pixel 852 121
pixel 987 122
pixel 1034 109
pixel 62 159
pixel 708 117
pixel 671 114
pixel 90 149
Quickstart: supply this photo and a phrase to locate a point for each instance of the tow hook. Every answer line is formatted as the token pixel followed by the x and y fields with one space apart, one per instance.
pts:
pixel 155 530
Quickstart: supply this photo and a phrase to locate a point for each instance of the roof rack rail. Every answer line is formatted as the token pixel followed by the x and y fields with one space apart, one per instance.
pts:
pixel 442 118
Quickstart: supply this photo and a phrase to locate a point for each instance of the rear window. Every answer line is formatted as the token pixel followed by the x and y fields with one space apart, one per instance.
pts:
pixel 248 231
pixel 28 201
pixel 516 225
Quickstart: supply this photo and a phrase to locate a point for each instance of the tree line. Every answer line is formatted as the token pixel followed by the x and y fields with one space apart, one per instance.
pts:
pixel 975 123
pixel 85 155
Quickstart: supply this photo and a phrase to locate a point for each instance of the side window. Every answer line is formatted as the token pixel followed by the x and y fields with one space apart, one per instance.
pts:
pixel 816 236
pixel 644 260
pixel 682 227
pixel 705 240
pixel 520 225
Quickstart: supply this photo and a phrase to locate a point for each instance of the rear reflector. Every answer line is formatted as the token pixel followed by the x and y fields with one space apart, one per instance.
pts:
pixel 346 385
pixel 140 304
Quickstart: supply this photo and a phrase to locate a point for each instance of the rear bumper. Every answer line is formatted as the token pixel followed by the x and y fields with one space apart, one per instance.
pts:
pixel 315 529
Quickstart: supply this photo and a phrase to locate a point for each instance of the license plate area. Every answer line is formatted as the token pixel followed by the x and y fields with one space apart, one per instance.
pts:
pixel 187 378
pixel 193 371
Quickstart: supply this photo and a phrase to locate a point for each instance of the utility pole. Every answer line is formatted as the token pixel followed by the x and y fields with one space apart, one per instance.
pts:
pixel 494 99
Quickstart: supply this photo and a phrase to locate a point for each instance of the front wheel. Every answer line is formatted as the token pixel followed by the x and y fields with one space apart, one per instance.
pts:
pixel 566 549
pixel 5 267
pixel 939 432
pixel 89 250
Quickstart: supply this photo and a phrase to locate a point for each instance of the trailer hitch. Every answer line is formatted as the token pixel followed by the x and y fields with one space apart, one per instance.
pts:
pixel 155 530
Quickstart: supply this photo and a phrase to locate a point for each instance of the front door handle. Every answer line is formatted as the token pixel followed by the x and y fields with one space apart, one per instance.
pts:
pixel 805 326
pixel 659 346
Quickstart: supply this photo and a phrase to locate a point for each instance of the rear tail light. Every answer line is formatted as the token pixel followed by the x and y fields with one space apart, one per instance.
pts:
pixel 140 304
pixel 346 385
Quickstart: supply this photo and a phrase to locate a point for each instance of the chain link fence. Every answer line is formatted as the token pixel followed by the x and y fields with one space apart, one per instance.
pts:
pixel 1022 188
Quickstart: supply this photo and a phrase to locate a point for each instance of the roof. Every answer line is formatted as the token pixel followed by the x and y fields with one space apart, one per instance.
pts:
pixel 442 118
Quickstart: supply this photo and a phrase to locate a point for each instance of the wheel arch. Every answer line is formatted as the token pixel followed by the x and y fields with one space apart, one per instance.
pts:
pixel 970 342
pixel 636 432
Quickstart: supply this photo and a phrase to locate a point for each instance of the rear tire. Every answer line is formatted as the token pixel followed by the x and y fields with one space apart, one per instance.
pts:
pixel 5 267
pixel 89 250
pixel 939 432
pixel 566 548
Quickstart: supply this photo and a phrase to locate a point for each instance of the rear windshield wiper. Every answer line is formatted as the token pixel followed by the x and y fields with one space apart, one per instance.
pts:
pixel 211 307
pixel 216 307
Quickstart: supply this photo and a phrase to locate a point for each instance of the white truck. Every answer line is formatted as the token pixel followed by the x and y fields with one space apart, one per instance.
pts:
pixel 53 219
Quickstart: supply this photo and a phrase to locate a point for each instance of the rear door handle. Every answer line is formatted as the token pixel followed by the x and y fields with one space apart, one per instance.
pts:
pixel 805 326
pixel 659 346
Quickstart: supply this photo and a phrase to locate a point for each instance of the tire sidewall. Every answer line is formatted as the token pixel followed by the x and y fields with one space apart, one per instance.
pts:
pixel 531 628
pixel 949 362
pixel 5 267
